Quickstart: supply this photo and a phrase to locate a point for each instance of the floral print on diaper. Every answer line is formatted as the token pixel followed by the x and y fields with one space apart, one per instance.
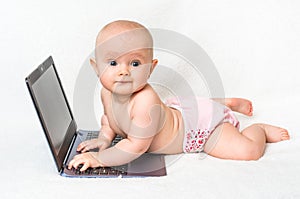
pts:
pixel 195 140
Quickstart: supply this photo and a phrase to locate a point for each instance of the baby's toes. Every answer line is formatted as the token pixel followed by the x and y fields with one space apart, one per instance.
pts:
pixel 285 135
pixel 250 110
pixel 251 106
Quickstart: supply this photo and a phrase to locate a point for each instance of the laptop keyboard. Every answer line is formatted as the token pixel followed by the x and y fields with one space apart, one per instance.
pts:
pixel 112 171
pixel 116 171
pixel 94 135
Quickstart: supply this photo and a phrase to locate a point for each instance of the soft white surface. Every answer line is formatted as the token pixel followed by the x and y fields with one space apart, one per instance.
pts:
pixel 254 44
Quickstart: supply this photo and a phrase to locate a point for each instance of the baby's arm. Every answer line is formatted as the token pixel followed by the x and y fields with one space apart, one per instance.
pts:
pixel 124 152
pixel 145 122
pixel 106 135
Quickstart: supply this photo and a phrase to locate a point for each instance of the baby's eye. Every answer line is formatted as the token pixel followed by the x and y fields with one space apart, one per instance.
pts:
pixel 135 63
pixel 113 63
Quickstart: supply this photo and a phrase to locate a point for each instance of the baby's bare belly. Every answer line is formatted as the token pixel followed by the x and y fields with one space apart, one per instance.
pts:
pixel 170 139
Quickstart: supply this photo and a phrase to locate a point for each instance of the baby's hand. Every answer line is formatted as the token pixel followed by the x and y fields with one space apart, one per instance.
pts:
pixel 87 159
pixel 101 143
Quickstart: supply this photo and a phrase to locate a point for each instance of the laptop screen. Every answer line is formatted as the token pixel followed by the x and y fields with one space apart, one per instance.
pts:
pixel 53 106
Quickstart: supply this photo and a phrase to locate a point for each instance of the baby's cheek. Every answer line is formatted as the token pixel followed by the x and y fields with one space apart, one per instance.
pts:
pixel 102 68
pixel 106 82
pixel 141 74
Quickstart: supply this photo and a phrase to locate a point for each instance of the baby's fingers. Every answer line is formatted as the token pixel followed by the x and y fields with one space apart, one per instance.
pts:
pixel 91 145
pixel 81 146
pixel 85 166
pixel 73 163
pixel 86 145
pixel 79 160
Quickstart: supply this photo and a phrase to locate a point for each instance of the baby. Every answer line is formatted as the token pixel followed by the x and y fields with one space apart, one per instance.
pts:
pixel 132 109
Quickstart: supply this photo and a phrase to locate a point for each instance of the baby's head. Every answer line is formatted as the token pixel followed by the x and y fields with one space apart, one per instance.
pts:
pixel 132 33
pixel 124 53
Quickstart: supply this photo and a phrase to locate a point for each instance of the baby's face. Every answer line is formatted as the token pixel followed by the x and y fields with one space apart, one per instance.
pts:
pixel 124 61
pixel 126 74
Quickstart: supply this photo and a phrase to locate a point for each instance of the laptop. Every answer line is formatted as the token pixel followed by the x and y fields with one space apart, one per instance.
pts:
pixel 63 137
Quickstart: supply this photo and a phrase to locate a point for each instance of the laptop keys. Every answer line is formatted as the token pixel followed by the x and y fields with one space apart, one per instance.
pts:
pixel 92 135
pixel 115 171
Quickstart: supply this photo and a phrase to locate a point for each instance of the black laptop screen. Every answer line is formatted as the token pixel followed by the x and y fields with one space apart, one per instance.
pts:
pixel 53 107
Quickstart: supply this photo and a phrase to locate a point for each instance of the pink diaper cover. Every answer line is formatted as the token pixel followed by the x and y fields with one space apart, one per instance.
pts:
pixel 201 117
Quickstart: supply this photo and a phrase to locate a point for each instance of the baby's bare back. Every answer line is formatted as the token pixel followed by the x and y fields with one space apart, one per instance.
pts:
pixel 170 139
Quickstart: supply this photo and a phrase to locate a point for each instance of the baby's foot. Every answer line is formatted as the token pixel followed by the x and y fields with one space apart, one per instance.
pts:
pixel 275 134
pixel 240 105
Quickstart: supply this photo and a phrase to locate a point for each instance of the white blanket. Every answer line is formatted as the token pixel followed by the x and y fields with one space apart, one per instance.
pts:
pixel 28 171
pixel 254 45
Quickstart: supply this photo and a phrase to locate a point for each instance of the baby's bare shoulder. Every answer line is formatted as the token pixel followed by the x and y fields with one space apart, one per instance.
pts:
pixel 146 96
pixel 146 109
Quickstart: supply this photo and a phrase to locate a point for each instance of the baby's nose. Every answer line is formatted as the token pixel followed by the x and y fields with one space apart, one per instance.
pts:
pixel 124 71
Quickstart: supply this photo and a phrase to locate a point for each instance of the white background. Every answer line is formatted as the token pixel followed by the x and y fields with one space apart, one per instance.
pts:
pixel 255 46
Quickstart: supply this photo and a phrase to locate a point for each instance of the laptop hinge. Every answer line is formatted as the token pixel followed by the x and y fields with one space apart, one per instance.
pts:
pixel 69 151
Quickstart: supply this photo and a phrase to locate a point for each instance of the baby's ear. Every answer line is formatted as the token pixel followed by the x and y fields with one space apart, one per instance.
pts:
pixel 93 63
pixel 153 65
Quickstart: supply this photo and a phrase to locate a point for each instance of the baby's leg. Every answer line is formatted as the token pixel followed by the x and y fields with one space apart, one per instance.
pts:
pixel 240 105
pixel 273 133
pixel 228 143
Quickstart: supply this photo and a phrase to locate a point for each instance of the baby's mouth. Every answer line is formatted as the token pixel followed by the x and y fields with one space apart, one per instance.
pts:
pixel 123 82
